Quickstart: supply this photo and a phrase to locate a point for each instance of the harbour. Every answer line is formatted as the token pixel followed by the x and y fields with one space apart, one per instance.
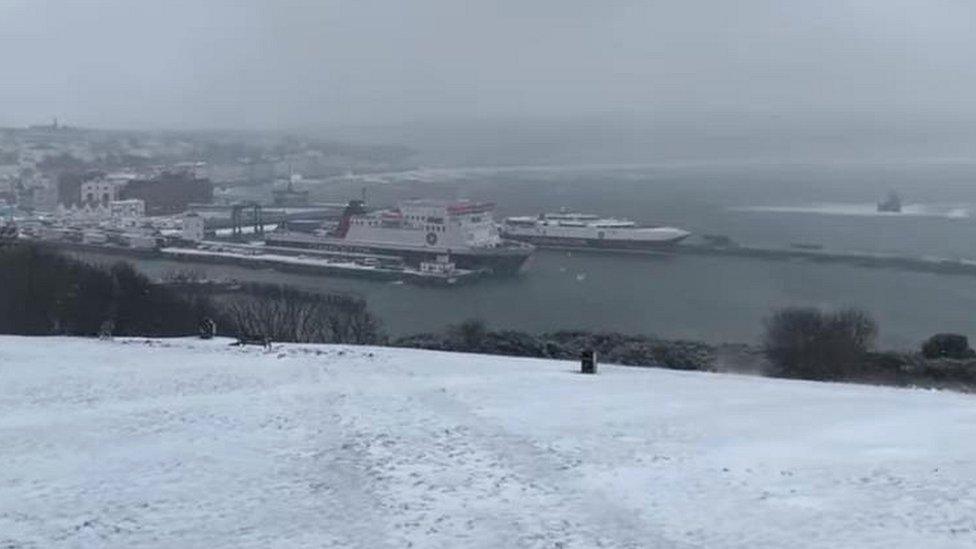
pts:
pixel 283 260
pixel 744 258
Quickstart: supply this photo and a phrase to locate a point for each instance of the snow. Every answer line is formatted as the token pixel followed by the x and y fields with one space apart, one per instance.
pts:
pixel 185 443
pixel 259 256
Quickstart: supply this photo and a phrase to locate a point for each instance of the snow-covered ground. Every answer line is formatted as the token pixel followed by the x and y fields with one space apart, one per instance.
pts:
pixel 182 443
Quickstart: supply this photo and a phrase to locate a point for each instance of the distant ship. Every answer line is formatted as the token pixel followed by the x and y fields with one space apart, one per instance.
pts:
pixel 418 231
pixel 578 230
pixel 891 203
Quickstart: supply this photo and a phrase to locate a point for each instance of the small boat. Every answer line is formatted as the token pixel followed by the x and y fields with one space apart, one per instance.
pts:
pixel 891 203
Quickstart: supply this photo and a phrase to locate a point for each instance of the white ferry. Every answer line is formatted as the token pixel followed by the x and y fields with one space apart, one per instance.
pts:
pixel 577 230
pixel 418 231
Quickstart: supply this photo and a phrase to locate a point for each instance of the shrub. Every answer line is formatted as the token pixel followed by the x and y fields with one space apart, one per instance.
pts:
pixel 513 343
pixel 613 348
pixel 285 314
pixel 469 335
pixel 433 342
pixel 947 346
pixel 683 355
pixel 807 343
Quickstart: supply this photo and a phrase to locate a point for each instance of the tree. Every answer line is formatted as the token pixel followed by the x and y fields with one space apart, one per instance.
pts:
pixel 286 314
pixel 807 343
pixel 43 293
pixel 947 346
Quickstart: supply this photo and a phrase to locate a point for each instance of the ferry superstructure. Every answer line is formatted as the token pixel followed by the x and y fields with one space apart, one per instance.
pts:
pixel 418 231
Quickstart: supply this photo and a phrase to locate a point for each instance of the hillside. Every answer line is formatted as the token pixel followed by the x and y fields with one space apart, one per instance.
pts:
pixel 182 443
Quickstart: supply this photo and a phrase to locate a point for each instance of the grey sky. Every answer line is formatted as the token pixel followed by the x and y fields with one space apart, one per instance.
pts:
pixel 289 64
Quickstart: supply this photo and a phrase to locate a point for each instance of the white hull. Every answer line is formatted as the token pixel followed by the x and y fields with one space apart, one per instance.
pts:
pixel 584 231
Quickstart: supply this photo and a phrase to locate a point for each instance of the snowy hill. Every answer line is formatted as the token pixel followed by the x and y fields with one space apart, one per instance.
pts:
pixel 185 443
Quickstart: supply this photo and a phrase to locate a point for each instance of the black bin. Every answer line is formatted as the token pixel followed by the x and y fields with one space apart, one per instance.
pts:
pixel 588 361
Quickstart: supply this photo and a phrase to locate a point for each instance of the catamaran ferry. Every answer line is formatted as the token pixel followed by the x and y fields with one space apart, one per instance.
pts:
pixel 418 231
pixel 577 230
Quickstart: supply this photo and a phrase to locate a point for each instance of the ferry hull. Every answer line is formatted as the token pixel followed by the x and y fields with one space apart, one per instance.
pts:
pixel 597 243
pixel 500 261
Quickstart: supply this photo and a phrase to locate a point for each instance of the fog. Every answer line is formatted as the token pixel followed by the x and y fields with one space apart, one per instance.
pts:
pixel 896 74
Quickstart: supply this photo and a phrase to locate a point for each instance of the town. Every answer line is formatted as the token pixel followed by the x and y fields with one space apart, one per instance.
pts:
pixel 201 198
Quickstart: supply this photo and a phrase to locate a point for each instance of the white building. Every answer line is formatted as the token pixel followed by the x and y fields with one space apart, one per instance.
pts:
pixel 132 208
pixel 99 192
pixel 193 227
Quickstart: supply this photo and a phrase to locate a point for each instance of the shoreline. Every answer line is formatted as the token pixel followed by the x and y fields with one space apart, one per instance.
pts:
pixel 870 260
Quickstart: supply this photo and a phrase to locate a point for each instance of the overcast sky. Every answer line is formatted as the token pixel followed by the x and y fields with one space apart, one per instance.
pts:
pixel 290 64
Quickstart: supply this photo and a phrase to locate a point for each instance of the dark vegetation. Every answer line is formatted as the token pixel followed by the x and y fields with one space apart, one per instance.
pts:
pixel 43 293
pixel 473 336
pixel 838 346
pixel 807 343
pixel 285 314
pixel 947 346
pixel 799 343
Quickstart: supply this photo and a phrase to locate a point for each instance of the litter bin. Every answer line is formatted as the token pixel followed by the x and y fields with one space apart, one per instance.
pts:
pixel 588 361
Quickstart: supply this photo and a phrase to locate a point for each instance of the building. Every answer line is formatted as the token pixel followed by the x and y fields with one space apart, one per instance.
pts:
pixel 169 192
pixel 194 227
pixel 131 208
pixel 99 192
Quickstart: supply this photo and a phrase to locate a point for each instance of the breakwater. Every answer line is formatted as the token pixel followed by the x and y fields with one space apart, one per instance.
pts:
pixel 925 264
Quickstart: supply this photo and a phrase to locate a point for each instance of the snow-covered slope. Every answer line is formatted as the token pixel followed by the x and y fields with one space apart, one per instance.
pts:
pixel 195 444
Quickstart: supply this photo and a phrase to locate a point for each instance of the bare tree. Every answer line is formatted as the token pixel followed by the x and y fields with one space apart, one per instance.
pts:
pixel 810 344
pixel 284 314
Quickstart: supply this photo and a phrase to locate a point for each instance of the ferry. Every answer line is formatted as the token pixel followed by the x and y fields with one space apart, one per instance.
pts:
pixel 418 231
pixel 578 230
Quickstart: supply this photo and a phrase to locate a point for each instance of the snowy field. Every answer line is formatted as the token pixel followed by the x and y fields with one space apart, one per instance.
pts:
pixel 195 444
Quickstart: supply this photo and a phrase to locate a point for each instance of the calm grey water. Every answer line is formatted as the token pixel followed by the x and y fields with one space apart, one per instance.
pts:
pixel 709 298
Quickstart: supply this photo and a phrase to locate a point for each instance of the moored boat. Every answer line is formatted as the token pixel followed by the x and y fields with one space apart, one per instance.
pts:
pixel 418 231
pixel 578 230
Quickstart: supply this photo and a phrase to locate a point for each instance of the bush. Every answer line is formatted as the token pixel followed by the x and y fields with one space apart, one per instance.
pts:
pixel 42 293
pixel 947 346
pixel 946 371
pixel 285 314
pixel 613 348
pixel 513 343
pixel 630 350
pixel 469 335
pixel 807 343
pixel 432 342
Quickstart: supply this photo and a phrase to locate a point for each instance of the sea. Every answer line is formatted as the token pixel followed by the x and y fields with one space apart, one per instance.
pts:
pixel 715 299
